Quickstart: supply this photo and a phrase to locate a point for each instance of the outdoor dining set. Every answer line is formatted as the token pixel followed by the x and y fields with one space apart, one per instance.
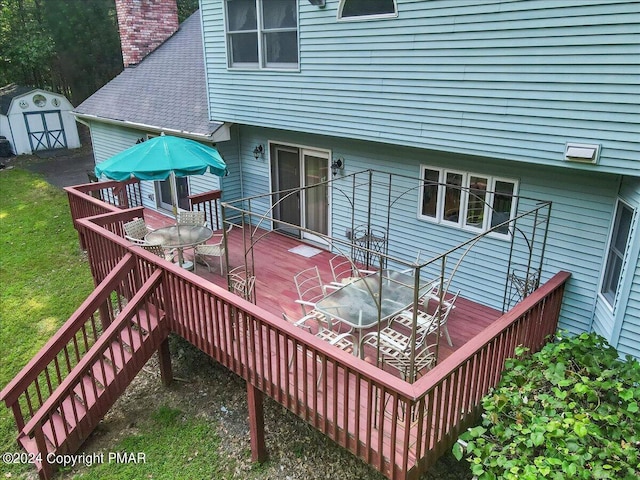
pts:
pixel 373 314
pixel 190 232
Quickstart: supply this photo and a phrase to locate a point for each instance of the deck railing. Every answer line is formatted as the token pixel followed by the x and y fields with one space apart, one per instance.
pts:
pixel 209 203
pixel 59 397
pixel 95 198
pixel 29 391
pixel 399 428
pixel 449 397
pixel 85 395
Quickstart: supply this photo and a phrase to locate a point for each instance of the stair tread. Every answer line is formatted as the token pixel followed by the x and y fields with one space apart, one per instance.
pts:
pixel 116 354
pixel 103 372
pixel 87 395
pixel 73 410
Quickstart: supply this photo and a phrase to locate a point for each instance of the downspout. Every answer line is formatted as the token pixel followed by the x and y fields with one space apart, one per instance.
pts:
pixel 240 162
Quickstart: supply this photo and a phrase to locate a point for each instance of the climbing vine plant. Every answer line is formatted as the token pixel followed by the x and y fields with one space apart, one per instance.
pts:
pixel 568 411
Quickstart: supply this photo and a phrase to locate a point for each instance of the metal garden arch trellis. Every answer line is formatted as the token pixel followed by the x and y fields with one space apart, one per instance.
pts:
pixel 377 199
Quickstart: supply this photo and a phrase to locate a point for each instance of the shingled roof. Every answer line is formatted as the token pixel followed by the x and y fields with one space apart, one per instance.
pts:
pixel 8 93
pixel 165 91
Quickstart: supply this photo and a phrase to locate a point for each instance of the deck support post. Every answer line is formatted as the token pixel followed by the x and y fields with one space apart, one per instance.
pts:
pixel 164 359
pixel 256 424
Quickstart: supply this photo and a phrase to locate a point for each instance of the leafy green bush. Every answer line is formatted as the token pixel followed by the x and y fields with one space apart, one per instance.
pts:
pixel 568 411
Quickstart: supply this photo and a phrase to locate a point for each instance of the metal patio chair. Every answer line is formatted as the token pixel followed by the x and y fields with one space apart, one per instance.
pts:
pixel 310 290
pixel 136 230
pixel 429 271
pixel 211 250
pixel 345 271
pixel 395 349
pixel 160 251
pixel 191 218
pixel 241 284
pixel 344 341
pixel 429 322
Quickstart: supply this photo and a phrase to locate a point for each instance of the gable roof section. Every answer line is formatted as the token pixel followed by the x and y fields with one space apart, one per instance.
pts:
pixel 166 91
pixel 8 93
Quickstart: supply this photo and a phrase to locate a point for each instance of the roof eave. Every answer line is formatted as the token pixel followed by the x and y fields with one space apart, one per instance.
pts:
pixel 220 133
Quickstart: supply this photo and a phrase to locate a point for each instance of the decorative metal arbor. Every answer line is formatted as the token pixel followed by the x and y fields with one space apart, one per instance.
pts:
pixel 374 222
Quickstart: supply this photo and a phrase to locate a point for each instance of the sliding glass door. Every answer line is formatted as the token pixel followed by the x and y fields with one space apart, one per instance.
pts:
pixel 292 168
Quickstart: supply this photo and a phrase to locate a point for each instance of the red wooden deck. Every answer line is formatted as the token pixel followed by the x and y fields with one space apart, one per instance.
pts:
pixel 397 427
pixel 275 266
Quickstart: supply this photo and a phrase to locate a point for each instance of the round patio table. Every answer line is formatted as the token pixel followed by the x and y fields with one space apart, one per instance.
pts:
pixel 180 237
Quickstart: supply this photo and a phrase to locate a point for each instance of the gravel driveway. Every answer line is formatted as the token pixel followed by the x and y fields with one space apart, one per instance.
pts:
pixel 61 168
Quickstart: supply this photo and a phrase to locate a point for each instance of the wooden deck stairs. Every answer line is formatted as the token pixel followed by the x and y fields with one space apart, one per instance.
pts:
pixel 61 396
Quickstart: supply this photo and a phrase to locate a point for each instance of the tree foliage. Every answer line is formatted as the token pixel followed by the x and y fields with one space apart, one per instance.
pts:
pixel 66 46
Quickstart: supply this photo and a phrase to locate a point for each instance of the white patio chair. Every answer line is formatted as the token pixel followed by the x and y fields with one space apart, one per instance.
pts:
pixel 395 349
pixel 345 271
pixel 159 250
pixel 135 231
pixel 207 250
pixel 344 341
pixel 241 284
pixel 191 218
pixel 310 290
pixel 429 322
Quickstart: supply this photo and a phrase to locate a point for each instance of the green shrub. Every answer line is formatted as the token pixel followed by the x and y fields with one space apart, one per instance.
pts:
pixel 568 411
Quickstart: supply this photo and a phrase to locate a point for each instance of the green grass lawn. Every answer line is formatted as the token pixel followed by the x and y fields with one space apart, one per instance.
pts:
pixel 44 277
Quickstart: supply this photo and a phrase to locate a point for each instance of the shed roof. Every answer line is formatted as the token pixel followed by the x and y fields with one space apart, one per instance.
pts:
pixel 8 93
pixel 166 90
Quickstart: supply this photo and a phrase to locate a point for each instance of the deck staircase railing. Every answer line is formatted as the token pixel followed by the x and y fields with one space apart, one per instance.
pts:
pixel 62 394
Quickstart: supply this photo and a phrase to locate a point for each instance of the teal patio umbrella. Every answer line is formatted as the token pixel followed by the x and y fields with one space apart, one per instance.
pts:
pixel 161 158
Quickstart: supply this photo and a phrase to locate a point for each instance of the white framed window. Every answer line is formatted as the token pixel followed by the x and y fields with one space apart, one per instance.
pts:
pixel 262 33
pixel 367 9
pixel 466 200
pixel 615 253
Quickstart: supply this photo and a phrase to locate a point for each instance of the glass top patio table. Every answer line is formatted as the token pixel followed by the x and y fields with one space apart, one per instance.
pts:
pixel 356 304
pixel 180 237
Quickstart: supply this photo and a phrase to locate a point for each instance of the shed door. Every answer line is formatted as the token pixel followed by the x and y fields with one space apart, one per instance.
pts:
pixel 45 130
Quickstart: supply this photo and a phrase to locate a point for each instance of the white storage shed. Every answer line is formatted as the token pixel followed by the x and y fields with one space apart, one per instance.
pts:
pixel 33 119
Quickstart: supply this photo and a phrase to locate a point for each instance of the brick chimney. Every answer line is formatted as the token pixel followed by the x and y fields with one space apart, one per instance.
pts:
pixel 143 25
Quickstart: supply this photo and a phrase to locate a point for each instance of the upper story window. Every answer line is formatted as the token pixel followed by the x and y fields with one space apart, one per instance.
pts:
pixel 354 9
pixel 466 200
pixel 262 33
pixel 617 246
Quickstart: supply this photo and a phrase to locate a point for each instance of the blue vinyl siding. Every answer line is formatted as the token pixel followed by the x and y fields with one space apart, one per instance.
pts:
pixel 629 339
pixel 503 79
pixel 578 231
pixel 581 214
pixel 109 140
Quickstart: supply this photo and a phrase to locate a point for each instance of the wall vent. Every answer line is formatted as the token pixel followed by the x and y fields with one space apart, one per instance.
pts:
pixel 582 153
